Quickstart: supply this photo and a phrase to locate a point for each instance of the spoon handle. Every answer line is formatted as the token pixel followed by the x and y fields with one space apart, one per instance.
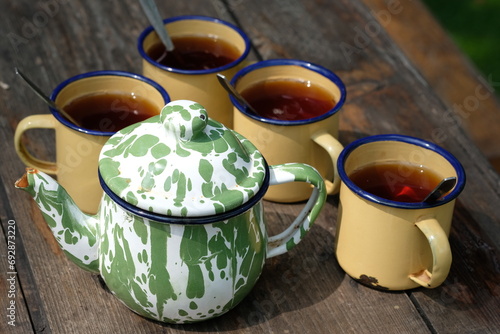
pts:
pixel 44 97
pixel 151 10
pixel 444 186
pixel 231 90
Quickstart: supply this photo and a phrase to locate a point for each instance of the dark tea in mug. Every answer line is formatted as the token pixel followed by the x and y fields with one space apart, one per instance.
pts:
pixel 396 181
pixel 288 100
pixel 195 53
pixel 110 112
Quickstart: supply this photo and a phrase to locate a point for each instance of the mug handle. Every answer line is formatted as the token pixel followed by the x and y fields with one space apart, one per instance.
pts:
pixel 333 147
pixel 441 254
pixel 296 172
pixel 46 121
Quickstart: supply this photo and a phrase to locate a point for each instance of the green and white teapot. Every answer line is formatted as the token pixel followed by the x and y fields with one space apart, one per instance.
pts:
pixel 180 235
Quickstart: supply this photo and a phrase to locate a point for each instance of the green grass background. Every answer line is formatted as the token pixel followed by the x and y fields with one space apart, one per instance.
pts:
pixel 474 25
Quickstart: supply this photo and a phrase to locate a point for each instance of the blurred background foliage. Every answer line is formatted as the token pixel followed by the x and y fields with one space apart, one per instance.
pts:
pixel 474 25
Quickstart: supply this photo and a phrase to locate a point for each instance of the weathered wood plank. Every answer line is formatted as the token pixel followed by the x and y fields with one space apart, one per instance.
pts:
pixel 450 73
pixel 387 95
pixel 14 314
pixel 73 301
pixel 385 92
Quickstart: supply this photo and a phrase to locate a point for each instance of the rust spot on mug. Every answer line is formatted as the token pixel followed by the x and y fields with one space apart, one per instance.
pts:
pixel 371 282
pixel 23 181
pixel 424 276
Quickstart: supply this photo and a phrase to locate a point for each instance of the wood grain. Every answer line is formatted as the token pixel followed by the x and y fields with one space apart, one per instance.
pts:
pixel 470 95
pixel 15 315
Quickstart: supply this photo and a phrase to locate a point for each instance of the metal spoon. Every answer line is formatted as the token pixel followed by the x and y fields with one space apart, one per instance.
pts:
pixel 231 90
pixel 151 10
pixel 442 188
pixel 45 98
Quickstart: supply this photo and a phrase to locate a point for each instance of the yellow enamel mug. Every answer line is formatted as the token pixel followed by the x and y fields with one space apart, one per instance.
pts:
pixel 392 245
pixel 311 141
pixel 77 148
pixel 201 86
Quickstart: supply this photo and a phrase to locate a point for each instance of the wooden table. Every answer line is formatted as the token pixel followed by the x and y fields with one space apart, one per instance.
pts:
pixel 304 291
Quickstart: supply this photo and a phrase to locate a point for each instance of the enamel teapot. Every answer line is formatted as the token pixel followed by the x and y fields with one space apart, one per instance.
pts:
pixel 180 235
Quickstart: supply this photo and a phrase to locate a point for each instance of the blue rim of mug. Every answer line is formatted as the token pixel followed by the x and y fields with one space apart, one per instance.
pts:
pixel 412 141
pixel 68 81
pixel 150 29
pixel 194 220
pixel 290 62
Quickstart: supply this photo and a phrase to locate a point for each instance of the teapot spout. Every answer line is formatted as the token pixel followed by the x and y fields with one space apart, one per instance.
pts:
pixel 74 230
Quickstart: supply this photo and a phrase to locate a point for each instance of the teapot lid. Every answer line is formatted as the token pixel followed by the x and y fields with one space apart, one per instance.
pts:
pixel 181 163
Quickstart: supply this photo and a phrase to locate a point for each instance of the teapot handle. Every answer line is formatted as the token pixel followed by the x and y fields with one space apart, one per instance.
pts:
pixel 296 172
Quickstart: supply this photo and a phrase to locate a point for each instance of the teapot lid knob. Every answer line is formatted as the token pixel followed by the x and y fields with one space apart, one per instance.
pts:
pixel 185 119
